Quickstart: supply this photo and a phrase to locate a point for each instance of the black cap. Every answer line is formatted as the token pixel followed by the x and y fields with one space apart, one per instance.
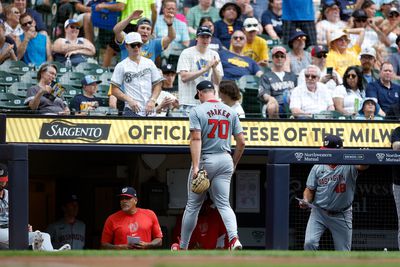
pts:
pixel 395 137
pixel 318 50
pixel 202 30
pixel 329 3
pixel 144 21
pixel 236 6
pixel 359 13
pixel 295 33
pixel 70 198
pixel 332 141
pixel 168 68
pixel 202 86
pixel 128 192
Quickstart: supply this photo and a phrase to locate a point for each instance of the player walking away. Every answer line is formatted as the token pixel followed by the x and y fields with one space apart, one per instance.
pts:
pixel 395 139
pixel 211 126
pixel 38 240
pixel 330 188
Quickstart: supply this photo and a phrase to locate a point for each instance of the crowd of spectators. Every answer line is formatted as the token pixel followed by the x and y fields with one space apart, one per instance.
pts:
pixel 326 57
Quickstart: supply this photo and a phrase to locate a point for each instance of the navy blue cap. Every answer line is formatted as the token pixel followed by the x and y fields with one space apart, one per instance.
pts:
pixel 128 192
pixel 332 141
pixel 202 30
pixel 203 85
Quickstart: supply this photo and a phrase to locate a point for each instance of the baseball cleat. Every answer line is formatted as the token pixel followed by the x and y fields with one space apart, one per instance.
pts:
pixel 175 246
pixel 65 247
pixel 37 241
pixel 235 244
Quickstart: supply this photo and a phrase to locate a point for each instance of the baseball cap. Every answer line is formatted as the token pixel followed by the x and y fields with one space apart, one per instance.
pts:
pixel 128 192
pixel 359 14
pixel 295 34
pixel 250 24
pixel 203 85
pixel 68 198
pixel 370 51
pixel 329 3
pixel 332 141
pixel 168 68
pixel 277 49
pixel 71 21
pixel 3 173
pixel 393 10
pixel 89 79
pixel 318 50
pixel 144 21
pixel 202 30
pixel 133 37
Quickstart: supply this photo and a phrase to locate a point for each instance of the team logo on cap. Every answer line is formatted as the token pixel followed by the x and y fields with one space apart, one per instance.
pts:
pixel 326 143
pixel 1 172
pixel 124 190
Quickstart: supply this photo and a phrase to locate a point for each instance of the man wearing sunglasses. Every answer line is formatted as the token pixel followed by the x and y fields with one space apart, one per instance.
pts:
pixel 256 47
pixel 77 49
pixel 234 62
pixel 139 78
pixel 311 98
pixel 35 47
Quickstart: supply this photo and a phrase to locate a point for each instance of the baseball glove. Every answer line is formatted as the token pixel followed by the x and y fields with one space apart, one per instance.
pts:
pixel 201 182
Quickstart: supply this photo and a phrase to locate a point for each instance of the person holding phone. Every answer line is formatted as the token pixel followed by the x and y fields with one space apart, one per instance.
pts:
pixel 131 227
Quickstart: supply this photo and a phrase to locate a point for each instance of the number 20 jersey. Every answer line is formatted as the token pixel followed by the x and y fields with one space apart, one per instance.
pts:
pixel 217 123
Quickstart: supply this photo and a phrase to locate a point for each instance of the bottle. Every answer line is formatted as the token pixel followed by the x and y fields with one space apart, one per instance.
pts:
pixel 356 105
pixel 68 64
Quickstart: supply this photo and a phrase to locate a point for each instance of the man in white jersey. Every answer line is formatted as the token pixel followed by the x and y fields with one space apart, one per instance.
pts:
pixel 136 80
pixel 196 64
pixel 212 125
pixel 330 188
pixel 38 240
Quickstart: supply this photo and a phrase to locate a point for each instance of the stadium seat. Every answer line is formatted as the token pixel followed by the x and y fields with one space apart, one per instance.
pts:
pixel 11 101
pixel 19 88
pixel 90 69
pixel 248 85
pixel 105 78
pixel 70 91
pixel 103 90
pixel 61 69
pixel 29 77
pixel 71 79
pixel 6 80
pixel 15 67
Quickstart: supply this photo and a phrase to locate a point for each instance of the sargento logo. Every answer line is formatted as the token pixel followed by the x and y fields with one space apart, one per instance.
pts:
pixel 60 129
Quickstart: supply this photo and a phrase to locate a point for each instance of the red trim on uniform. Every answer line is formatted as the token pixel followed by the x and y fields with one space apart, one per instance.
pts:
pixel 4 179
pixel 126 195
pixel 213 100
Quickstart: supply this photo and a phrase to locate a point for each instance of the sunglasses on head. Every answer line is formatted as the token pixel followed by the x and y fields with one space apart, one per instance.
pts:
pixel 238 38
pixel 322 55
pixel 310 76
pixel 27 23
pixel 353 76
pixel 134 45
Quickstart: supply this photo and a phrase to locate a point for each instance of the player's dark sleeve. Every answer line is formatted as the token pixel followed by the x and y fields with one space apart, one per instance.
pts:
pixel 395 135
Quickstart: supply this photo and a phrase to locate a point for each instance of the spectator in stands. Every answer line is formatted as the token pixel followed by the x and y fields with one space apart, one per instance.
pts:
pixel 7 51
pixel 369 110
pixel 340 57
pixel 35 47
pixel 246 9
pixel 312 98
pixel 384 7
pixel 395 60
pixel 271 19
pixel 330 21
pixel 234 62
pixel 188 4
pixel 151 48
pixel 77 49
pixel 196 13
pixel 13 29
pixel 164 24
pixel 367 59
pixel 145 231
pixel 395 140
pixel 229 23
pixel 349 96
pixel 318 58
pixel 136 80
pixel 298 58
pixel 390 26
pixel 256 47
pixel 86 102
pixel 22 7
pixel 294 17
pixel 84 9
pixel 384 90
pixel 42 97
pixel 196 64
pixel 167 100
pixel 215 44
pixel 346 8
pixel 276 86
pixel 230 95
pixel 68 230
pixel 127 7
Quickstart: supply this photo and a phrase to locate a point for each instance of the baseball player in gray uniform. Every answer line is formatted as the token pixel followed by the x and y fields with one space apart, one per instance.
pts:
pixel 212 125
pixel 330 189
pixel 38 240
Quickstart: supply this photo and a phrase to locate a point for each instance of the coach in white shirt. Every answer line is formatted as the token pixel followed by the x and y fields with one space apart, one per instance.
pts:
pixel 136 80
pixel 312 97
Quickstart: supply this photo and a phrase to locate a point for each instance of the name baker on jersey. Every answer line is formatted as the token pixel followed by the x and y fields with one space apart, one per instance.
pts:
pixel 220 112
pixel 129 76
pixel 334 178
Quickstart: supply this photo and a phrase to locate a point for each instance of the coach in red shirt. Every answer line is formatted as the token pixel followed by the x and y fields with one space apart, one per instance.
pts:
pixel 131 227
